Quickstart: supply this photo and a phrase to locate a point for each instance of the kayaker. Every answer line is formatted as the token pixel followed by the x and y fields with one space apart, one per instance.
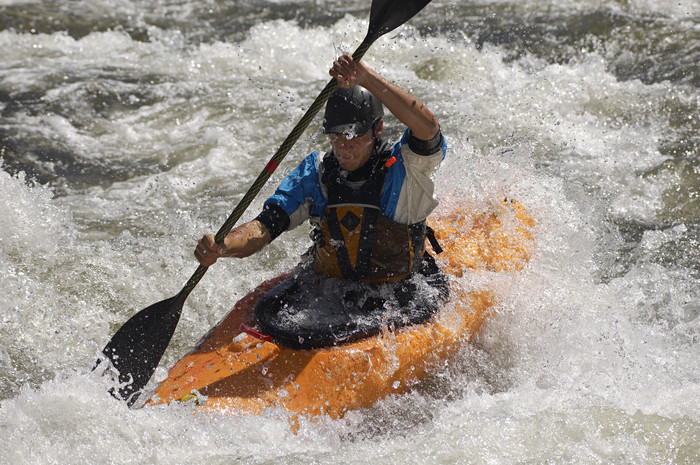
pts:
pixel 366 200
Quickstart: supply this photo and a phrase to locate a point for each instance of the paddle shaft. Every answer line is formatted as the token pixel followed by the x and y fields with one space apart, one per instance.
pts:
pixel 271 166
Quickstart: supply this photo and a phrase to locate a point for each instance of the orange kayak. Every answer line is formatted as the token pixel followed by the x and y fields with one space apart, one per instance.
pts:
pixel 234 371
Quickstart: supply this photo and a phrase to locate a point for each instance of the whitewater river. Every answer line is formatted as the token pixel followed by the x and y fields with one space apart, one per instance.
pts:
pixel 129 128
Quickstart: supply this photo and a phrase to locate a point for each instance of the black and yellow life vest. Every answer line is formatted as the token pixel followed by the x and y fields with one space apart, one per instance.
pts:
pixel 355 240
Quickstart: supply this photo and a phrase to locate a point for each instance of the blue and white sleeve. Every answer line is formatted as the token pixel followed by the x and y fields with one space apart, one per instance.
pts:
pixel 297 193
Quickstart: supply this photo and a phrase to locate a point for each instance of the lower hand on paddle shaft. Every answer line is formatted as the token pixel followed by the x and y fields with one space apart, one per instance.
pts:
pixel 243 241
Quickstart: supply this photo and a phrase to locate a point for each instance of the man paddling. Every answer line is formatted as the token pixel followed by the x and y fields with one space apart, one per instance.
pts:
pixel 366 200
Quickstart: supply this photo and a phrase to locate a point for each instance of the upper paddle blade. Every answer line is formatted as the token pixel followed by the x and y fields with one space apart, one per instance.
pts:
pixel 136 349
pixel 387 15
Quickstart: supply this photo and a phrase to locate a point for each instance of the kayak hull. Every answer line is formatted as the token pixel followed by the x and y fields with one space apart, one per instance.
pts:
pixel 233 371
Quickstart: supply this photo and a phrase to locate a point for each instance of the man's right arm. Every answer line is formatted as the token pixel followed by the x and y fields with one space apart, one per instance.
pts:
pixel 242 241
pixel 288 207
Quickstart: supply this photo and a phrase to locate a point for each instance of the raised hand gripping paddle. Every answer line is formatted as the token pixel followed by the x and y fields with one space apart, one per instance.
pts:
pixel 137 347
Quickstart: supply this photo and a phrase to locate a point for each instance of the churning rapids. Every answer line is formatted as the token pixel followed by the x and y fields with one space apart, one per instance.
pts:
pixel 129 128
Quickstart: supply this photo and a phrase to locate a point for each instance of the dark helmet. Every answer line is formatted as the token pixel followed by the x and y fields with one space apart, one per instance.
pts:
pixel 351 111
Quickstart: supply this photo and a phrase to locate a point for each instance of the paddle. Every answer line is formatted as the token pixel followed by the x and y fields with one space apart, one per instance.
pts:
pixel 137 347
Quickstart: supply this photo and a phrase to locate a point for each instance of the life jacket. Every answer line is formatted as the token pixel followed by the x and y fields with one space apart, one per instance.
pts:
pixel 355 240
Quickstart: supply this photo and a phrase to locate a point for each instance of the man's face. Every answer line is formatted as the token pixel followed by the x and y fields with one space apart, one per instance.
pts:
pixel 353 151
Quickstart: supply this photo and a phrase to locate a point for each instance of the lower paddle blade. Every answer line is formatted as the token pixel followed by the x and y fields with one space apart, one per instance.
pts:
pixel 387 15
pixel 136 349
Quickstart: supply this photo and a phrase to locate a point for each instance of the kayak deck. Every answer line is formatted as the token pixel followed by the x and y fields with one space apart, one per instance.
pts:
pixel 308 311
pixel 230 370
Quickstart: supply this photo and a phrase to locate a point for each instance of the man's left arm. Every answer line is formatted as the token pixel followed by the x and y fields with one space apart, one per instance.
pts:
pixel 402 104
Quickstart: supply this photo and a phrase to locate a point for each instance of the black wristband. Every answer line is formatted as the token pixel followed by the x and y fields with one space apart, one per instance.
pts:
pixel 275 220
pixel 425 147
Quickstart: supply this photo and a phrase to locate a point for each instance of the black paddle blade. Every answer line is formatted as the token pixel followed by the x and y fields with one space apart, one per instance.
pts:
pixel 387 15
pixel 136 349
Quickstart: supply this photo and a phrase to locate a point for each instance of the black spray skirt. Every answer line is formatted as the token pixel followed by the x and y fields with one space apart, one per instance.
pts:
pixel 309 312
